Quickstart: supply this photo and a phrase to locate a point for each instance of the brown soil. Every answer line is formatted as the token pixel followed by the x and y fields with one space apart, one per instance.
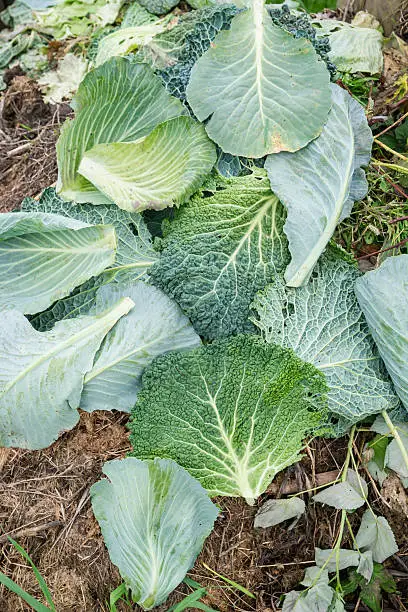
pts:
pixel 29 129
pixel 45 506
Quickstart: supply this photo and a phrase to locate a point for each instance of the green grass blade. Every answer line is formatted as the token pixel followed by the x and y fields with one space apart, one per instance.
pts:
pixel 14 588
pixel 235 585
pixel 37 574
pixel 121 592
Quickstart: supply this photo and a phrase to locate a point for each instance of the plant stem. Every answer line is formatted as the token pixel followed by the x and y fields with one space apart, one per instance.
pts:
pixel 396 436
pixel 387 148
pixel 395 167
pixel 337 546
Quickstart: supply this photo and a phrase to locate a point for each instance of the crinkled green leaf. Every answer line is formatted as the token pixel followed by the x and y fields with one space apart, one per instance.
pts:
pixel 348 495
pixel 136 15
pixel 116 84
pixel 44 256
pixel 275 511
pixel 323 323
pixel 233 413
pixel 154 519
pixel 376 535
pixel 319 184
pixel 154 326
pixel 353 49
pixel 176 52
pixel 160 170
pixel 134 254
pixel 158 7
pixel 220 249
pixel 333 559
pixel 263 90
pixel 41 374
pixel 383 297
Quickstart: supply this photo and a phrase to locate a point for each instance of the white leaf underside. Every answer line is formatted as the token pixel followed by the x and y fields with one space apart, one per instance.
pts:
pixel 41 374
pixel 383 297
pixel 152 542
pixel 319 184
pixel 155 326
pixel 39 267
pixel 252 83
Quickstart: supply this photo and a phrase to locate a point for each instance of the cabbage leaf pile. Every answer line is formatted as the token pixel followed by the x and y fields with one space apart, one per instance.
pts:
pixel 183 269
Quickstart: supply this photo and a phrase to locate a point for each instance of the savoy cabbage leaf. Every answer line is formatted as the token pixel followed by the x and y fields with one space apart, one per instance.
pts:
pixel 160 170
pixel 134 252
pixel 173 53
pixel 154 326
pixel 158 7
pixel 154 518
pixel 44 256
pixel 233 413
pixel 323 323
pixel 320 183
pixel 262 90
pixel 222 247
pixel 41 374
pixel 383 296
pixel 118 102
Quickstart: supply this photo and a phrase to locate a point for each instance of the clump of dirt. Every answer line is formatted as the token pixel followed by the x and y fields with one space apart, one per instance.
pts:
pixel 48 491
pixel 23 103
pixel 29 129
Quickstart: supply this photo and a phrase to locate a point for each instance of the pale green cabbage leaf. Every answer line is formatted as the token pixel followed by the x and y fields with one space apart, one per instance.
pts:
pixel 41 374
pixel 160 170
pixel 126 40
pixel 234 413
pixel 263 90
pixel 44 256
pixel 221 248
pixel 320 183
pixel 383 296
pixel 119 101
pixel 353 49
pixel 323 323
pixel 154 519
pixel 62 83
pixel 155 325
pixel 134 252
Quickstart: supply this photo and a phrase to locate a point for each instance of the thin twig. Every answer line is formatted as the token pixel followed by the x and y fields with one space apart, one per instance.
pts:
pixel 394 246
pixel 390 127
pixel 30 531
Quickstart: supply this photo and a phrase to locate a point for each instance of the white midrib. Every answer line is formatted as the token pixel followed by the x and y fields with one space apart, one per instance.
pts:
pixel 258 16
pixel 109 319
pixel 107 241
pixel 304 270
pixel 241 467
pixel 269 203
pixel 138 349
